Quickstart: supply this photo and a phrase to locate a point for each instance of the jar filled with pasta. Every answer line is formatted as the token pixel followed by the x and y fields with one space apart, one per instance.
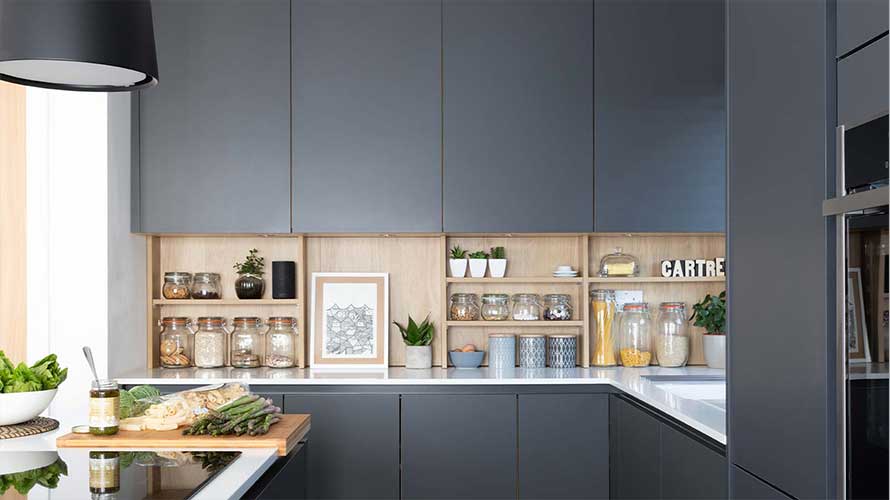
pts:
pixel 636 341
pixel 605 348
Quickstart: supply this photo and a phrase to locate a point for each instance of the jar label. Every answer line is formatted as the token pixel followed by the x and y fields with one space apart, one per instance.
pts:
pixel 105 473
pixel 104 412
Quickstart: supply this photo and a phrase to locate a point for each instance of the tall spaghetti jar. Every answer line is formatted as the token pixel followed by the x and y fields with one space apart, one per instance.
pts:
pixel 605 348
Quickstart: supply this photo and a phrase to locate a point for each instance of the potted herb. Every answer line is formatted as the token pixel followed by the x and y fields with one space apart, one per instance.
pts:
pixel 710 314
pixel 497 263
pixel 250 284
pixel 458 262
pixel 417 338
pixel 478 262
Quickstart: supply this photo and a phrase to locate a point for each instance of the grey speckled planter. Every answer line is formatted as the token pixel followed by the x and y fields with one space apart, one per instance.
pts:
pixel 562 350
pixel 501 351
pixel 532 351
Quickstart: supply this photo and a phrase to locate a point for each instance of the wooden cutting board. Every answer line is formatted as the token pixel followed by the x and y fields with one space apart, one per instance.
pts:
pixel 282 436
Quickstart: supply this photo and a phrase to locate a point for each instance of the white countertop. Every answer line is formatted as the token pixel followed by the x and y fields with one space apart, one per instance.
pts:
pixel 708 417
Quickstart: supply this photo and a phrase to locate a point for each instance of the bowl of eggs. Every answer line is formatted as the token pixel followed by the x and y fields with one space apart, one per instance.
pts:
pixel 466 357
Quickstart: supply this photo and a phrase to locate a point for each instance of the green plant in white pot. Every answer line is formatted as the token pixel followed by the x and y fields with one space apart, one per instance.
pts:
pixel 417 338
pixel 497 262
pixel 710 314
pixel 478 264
pixel 458 262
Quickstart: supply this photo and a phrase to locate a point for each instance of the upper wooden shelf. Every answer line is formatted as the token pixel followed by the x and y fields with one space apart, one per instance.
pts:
pixel 536 324
pixel 225 302
pixel 657 279
pixel 528 279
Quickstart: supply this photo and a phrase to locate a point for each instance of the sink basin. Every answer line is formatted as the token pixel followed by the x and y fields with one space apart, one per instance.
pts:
pixel 684 378
pixel 702 391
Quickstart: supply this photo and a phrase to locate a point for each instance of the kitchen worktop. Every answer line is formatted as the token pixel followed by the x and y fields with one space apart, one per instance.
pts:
pixel 701 407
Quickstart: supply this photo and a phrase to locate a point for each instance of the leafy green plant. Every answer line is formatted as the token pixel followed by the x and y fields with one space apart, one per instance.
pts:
pixel 417 335
pixel 710 313
pixel 458 253
pixel 251 265
pixel 480 254
pixel 41 376
pixel 498 253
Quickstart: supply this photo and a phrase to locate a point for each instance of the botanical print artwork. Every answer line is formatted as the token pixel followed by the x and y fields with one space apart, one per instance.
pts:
pixel 852 331
pixel 349 331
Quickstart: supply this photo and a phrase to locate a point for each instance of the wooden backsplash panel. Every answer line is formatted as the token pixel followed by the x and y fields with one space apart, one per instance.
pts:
pixel 650 249
pixel 528 256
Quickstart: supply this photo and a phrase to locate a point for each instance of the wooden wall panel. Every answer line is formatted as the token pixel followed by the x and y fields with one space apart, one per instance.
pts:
pixel 651 249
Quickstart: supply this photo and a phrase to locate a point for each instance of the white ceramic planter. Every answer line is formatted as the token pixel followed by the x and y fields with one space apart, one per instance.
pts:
pixel 497 267
pixel 458 267
pixel 477 267
pixel 715 350
pixel 418 357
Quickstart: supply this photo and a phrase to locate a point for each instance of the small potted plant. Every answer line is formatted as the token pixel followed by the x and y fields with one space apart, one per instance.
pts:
pixel 417 338
pixel 250 284
pixel 458 262
pixel 478 262
pixel 497 263
pixel 710 314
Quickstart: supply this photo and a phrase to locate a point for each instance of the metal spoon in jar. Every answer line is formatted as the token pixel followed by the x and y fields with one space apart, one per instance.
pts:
pixel 89 355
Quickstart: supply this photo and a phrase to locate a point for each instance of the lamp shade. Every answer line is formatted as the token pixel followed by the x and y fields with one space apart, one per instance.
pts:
pixel 91 45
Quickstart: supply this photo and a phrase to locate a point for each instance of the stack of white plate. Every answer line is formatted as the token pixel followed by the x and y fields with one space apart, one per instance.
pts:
pixel 564 272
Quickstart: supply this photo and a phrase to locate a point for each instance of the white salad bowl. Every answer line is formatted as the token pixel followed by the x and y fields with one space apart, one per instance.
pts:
pixel 18 407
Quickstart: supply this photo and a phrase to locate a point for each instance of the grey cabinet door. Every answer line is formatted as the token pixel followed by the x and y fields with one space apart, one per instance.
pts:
pixel 660 115
pixel 748 487
pixel 459 446
pixel 353 444
pixel 214 134
pixel 859 21
pixel 635 451
pixel 689 468
pixel 563 446
pixel 862 84
pixel 367 116
pixel 518 115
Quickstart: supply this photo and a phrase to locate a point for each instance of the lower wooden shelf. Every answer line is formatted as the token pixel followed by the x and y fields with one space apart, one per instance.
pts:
pixel 528 324
pixel 226 302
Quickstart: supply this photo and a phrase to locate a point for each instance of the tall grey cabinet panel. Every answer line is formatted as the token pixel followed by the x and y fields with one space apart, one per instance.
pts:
pixel 780 155
pixel 748 487
pixel 563 446
pixel 660 115
pixel 367 116
pixel 858 21
pixel 518 115
pixel 862 84
pixel 635 452
pixel 214 134
pixel 459 446
pixel 689 468
pixel 353 444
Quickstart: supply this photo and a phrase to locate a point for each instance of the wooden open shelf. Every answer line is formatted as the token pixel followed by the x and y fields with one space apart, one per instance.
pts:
pixel 506 280
pixel 658 279
pixel 520 324
pixel 226 302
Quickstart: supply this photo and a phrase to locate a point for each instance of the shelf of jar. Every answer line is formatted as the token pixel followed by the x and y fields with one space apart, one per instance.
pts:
pixel 657 279
pixel 535 324
pixel 225 302
pixel 511 279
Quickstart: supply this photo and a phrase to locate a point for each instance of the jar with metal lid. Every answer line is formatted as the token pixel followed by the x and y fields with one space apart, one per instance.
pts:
pixel 206 286
pixel 281 342
pixel 495 306
pixel 463 307
pixel 105 408
pixel 177 346
pixel 526 307
pixel 636 341
pixel 247 342
pixel 211 340
pixel 671 334
pixel 557 307
pixel 605 346
pixel 619 264
pixel 176 285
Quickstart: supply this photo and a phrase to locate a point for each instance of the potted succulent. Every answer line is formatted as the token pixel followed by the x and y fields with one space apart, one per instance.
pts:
pixel 710 314
pixel 478 262
pixel 417 338
pixel 458 262
pixel 497 262
pixel 250 284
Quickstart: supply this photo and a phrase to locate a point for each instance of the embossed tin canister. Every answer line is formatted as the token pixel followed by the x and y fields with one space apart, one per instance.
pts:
pixel 562 350
pixel 501 350
pixel 532 351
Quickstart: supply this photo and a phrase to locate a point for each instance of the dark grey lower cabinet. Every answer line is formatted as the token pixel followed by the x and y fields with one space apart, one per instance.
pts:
pixel 459 446
pixel 563 446
pixel 689 468
pixel 354 444
pixel 748 487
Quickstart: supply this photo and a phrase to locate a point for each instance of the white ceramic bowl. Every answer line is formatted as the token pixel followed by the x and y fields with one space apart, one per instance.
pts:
pixel 18 407
pixel 21 461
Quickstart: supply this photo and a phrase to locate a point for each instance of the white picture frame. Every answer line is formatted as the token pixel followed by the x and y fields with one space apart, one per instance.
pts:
pixel 857 329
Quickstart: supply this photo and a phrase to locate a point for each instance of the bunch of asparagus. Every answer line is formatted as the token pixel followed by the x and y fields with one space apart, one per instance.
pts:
pixel 249 414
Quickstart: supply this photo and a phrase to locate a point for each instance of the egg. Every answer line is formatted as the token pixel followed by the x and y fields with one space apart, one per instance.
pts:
pixel 468 348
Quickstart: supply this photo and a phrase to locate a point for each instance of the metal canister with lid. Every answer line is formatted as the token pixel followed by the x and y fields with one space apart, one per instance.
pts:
pixel 532 350
pixel 501 350
pixel 562 350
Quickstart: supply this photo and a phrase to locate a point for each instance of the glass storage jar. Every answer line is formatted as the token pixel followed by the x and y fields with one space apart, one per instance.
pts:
pixel 206 286
pixel 605 347
pixel 281 342
pixel 636 342
pixel 671 335
pixel 247 343
pixel 177 348
pixel 526 307
pixel 463 307
pixel 619 264
pixel 176 285
pixel 495 306
pixel 211 340
pixel 557 307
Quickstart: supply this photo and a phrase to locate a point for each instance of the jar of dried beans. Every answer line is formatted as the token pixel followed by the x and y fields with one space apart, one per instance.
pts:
pixel 464 307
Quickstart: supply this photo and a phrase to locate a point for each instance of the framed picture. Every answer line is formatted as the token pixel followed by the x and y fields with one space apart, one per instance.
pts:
pixel 857 335
pixel 349 319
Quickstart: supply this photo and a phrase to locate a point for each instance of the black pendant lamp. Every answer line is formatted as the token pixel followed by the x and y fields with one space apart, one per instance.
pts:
pixel 89 45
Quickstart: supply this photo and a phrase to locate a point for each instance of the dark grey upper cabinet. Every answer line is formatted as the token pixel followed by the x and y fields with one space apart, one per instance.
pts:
pixel 780 163
pixel 660 110
pixel 518 115
pixel 214 134
pixel 858 21
pixel 366 116
pixel 862 84
pixel 459 446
